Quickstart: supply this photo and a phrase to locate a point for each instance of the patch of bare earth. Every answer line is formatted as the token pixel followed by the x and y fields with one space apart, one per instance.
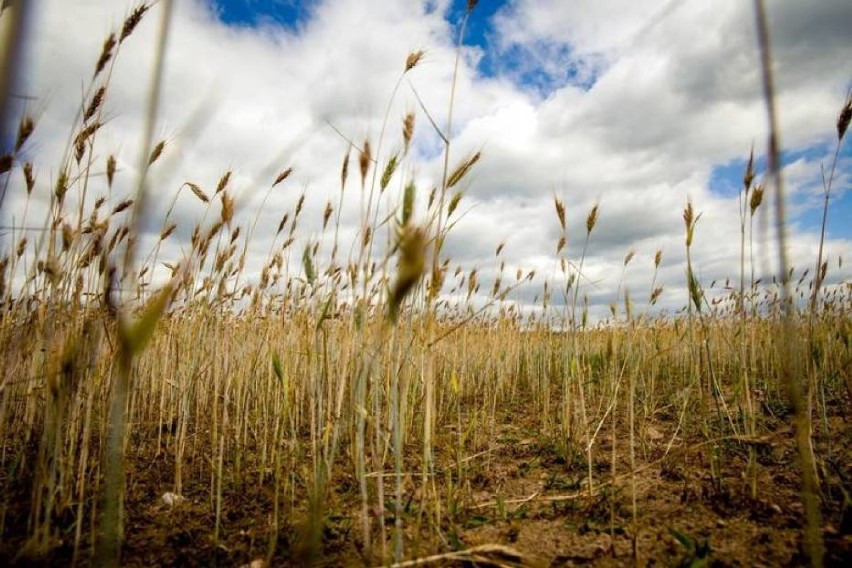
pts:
pixel 536 499
pixel 526 490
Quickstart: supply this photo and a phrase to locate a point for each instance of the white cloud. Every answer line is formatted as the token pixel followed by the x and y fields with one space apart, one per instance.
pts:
pixel 675 92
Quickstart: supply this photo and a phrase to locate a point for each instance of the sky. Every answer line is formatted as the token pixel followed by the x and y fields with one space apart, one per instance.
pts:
pixel 635 106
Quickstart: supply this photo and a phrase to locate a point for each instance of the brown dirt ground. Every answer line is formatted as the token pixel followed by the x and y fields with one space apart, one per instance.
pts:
pixel 524 492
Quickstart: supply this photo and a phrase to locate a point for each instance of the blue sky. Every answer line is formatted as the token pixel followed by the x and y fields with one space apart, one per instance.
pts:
pixel 636 106
pixel 806 207
pixel 515 62
pixel 292 13
pixel 288 13
pixel 510 60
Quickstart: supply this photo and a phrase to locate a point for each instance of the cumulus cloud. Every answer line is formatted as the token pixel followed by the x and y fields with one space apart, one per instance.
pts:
pixel 632 105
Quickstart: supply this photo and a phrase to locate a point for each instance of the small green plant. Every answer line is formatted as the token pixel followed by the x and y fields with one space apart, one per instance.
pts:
pixel 697 554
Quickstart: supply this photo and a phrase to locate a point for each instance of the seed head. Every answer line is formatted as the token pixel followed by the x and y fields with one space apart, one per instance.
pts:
pixel 413 59
pixel 749 173
pixel 122 206
pixel 82 137
pixel 111 163
pixel 364 161
pixel 67 237
pixel 61 186
pixel 326 215
pixel 756 198
pixel 79 150
pixel 29 177
pixel 223 182
pixel 560 211
pixel 471 283
pixel 408 203
pixel 344 170
pixel 132 21
pixel 462 169
pixel 214 230
pixel 157 152
pixel 282 223
pixel 227 208
pixel 407 130
pixel 412 261
pixel 168 231
pixel 436 281
pixel 844 117
pixel 25 128
pixel 454 203
pixel 389 171
pixel 197 191
pixel 282 176
pixel 106 54
pixel 689 220
pixel 94 104
pixel 592 219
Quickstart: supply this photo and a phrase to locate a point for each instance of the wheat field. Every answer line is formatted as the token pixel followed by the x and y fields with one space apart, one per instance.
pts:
pixel 367 407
